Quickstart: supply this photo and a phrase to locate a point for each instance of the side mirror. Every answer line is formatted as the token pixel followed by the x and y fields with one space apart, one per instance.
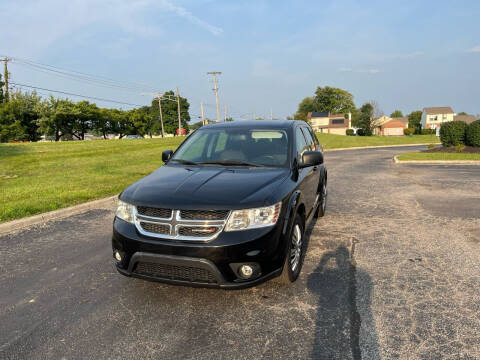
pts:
pixel 311 158
pixel 166 155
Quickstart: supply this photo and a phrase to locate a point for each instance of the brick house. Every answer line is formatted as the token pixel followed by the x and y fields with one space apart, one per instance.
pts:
pixel 325 122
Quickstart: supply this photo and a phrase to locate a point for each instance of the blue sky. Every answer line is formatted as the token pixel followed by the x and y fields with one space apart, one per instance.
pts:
pixel 403 54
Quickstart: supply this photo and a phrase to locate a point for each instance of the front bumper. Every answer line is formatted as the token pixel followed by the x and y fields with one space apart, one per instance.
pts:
pixel 200 264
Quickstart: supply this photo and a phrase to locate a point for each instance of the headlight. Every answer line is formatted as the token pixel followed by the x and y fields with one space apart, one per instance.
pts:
pixel 124 211
pixel 253 218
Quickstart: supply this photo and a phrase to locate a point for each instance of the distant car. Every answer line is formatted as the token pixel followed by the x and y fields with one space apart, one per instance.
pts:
pixel 229 209
pixel 134 137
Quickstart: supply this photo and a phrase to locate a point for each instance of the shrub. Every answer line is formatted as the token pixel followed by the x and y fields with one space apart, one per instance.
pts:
pixel 350 132
pixel 427 131
pixel 459 148
pixel 431 146
pixel 409 131
pixel 361 132
pixel 453 133
pixel 473 134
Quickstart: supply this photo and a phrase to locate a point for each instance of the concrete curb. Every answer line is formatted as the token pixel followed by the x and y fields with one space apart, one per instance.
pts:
pixel 436 162
pixel 15 225
pixel 377 147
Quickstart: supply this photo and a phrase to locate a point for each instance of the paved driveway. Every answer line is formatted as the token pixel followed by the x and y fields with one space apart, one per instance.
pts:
pixel 392 272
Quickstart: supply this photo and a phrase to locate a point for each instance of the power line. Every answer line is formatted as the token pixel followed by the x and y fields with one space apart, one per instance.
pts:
pixel 78 95
pixel 79 79
pixel 80 75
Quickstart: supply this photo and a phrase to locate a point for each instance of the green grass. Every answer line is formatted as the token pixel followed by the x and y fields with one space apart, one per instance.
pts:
pixel 418 156
pixel 330 141
pixel 40 177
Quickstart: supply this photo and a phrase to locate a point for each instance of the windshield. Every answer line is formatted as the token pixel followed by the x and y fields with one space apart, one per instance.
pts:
pixel 235 147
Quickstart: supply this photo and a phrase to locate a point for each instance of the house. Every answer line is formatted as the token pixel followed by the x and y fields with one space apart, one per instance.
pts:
pixel 325 122
pixel 465 118
pixel 433 117
pixel 387 126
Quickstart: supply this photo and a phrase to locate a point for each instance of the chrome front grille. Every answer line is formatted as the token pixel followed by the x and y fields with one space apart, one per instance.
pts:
pixel 186 225
pixel 203 214
pixel 154 212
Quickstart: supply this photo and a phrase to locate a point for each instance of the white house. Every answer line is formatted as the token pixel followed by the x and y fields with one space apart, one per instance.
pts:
pixel 434 117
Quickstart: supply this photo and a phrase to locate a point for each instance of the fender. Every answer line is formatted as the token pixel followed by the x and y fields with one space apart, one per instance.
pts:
pixel 291 209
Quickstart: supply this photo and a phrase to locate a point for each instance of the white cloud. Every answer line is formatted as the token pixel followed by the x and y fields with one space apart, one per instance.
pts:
pixel 474 49
pixel 182 12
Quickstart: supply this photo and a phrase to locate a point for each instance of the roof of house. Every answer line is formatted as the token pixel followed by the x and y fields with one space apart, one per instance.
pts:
pixel 465 118
pixel 319 114
pixel 438 110
pixel 402 119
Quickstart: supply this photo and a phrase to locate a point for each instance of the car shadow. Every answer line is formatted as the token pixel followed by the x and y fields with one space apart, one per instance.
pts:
pixel 342 291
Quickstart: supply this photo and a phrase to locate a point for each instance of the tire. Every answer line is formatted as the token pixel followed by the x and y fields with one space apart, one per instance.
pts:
pixel 290 272
pixel 322 206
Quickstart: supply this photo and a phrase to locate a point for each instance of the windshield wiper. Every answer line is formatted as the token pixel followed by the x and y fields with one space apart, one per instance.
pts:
pixel 228 163
pixel 185 162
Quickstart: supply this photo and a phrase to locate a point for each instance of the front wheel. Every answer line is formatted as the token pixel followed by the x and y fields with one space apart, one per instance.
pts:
pixel 322 199
pixel 295 253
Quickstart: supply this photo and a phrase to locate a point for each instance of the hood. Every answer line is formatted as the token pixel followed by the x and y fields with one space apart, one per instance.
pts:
pixel 205 187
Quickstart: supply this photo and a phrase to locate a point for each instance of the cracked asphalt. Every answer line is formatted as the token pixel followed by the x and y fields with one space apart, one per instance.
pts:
pixel 392 272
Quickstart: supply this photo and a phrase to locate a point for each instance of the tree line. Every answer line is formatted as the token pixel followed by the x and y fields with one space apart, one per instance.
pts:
pixel 27 116
pixel 339 101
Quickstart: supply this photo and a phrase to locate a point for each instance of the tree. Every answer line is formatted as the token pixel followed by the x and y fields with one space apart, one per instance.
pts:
pixel 306 105
pixel 2 84
pixel 57 118
pixel 462 113
pixel 85 116
pixel 170 113
pixel 18 117
pixel 396 114
pixel 366 118
pixel 377 111
pixel 414 121
pixel 333 100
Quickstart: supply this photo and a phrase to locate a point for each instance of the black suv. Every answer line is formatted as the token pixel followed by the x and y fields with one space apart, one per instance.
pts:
pixel 228 209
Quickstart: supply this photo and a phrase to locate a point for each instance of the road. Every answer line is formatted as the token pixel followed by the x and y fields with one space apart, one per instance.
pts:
pixel 392 272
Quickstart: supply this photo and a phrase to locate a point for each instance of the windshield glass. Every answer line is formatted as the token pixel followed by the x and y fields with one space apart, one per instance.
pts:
pixel 235 147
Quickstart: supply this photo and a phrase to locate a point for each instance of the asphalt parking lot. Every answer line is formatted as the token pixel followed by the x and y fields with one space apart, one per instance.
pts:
pixel 392 272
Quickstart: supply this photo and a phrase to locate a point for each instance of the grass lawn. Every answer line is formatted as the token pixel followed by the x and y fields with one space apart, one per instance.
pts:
pixel 419 156
pixel 40 177
pixel 330 141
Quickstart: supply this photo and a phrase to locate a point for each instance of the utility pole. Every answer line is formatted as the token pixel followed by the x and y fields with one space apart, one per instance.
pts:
pixel 203 116
pixel 179 116
pixel 215 89
pixel 224 113
pixel 159 97
pixel 5 76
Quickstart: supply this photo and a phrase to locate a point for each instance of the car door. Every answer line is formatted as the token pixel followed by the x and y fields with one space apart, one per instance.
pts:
pixel 313 176
pixel 305 178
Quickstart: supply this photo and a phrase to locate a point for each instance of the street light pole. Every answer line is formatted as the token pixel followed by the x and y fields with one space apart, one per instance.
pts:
pixel 179 117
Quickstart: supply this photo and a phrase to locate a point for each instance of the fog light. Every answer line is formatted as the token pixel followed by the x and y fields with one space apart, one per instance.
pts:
pixel 246 271
pixel 118 256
